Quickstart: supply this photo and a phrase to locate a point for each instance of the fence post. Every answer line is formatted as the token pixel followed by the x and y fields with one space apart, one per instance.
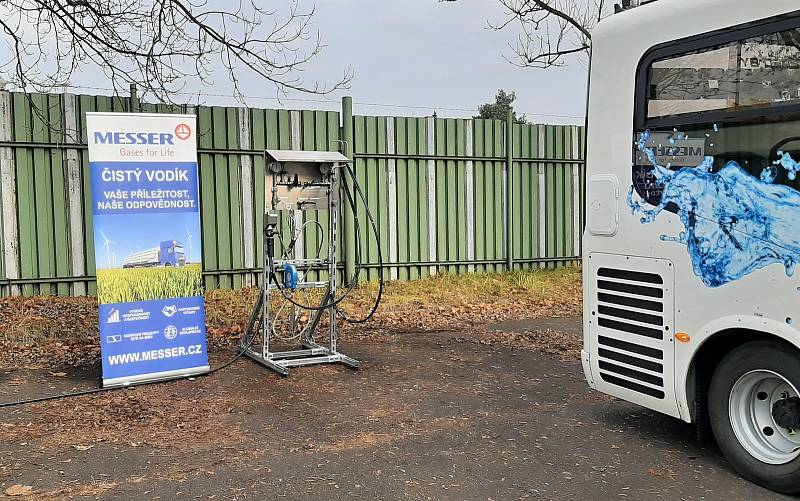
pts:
pixel 295 136
pixel 576 197
pixel 542 209
pixel 8 195
pixel 509 189
pixel 349 244
pixel 75 194
pixel 134 99
pixel 430 171
pixel 469 168
pixel 246 193
pixel 391 179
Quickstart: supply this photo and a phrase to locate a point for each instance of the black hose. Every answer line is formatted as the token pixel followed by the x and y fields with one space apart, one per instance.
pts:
pixel 57 397
pixel 377 302
pixel 254 316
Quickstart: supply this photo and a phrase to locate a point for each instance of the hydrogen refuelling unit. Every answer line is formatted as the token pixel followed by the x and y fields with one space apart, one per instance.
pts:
pixel 306 191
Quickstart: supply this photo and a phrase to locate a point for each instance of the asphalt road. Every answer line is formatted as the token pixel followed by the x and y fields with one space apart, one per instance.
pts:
pixel 429 416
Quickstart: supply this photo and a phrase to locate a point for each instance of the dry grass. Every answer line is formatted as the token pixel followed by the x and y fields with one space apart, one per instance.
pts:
pixel 454 290
pixel 52 331
pixel 450 302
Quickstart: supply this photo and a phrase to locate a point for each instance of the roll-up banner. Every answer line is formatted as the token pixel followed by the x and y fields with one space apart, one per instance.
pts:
pixel 147 246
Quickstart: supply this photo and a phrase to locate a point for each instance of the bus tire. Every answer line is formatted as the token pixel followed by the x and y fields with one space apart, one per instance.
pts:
pixel 744 387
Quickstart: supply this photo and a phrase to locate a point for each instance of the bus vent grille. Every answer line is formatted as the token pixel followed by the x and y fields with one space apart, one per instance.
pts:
pixel 630 308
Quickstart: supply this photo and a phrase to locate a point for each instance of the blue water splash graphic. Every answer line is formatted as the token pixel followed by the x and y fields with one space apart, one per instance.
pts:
pixel 769 174
pixel 677 136
pixel 787 162
pixel 734 223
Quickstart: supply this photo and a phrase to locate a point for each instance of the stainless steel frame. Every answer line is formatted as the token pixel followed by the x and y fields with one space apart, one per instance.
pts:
pixel 309 352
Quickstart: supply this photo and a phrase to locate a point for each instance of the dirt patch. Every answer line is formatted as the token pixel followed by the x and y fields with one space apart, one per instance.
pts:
pixel 78 352
pixel 151 416
pixel 79 490
pixel 595 397
pixel 403 430
pixel 564 346
pixel 385 412
pixel 47 331
pixel 28 493
pixel 26 320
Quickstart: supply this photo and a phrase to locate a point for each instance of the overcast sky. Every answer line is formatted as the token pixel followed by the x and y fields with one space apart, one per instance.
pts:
pixel 437 55
pixel 418 53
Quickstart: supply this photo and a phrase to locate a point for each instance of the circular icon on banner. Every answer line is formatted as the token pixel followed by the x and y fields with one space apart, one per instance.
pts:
pixel 170 332
pixel 183 131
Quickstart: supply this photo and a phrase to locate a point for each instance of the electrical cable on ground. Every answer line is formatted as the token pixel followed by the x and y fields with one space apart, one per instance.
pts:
pixel 250 324
pixel 254 316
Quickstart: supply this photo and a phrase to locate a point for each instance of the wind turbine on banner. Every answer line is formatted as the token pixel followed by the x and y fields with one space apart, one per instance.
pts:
pixel 189 241
pixel 107 246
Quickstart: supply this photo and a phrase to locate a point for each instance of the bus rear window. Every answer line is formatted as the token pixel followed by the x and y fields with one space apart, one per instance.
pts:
pixel 758 71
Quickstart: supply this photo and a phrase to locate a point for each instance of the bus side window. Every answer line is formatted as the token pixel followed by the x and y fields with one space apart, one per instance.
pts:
pixel 730 102
pixel 766 149
pixel 756 72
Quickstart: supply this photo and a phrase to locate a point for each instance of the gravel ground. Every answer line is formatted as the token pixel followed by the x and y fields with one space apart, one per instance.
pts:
pixel 438 415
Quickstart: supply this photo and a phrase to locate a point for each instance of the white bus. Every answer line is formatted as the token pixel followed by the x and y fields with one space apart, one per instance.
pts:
pixel 692 243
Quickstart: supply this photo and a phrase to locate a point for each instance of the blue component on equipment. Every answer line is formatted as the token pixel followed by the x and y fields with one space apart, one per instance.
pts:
pixel 290 277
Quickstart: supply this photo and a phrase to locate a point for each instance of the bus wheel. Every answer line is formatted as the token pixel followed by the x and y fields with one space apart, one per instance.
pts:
pixel 742 395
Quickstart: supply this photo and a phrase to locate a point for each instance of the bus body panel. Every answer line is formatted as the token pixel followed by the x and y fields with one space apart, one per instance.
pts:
pixel 635 359
pixel 764 300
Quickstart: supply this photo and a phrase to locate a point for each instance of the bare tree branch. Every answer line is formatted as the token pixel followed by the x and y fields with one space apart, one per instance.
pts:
pixel 549 30
pixel 162 46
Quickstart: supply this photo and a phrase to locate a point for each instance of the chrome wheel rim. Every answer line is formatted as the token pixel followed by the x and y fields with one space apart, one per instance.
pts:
pixel 750 410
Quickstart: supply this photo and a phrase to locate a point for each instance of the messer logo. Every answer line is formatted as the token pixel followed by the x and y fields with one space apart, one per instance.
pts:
pixel 183 131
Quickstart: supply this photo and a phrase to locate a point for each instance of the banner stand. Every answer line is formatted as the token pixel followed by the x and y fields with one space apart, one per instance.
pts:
pixel 145 204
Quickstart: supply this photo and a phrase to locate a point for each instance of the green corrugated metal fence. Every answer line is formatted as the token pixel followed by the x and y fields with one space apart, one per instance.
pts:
pixel 438 189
